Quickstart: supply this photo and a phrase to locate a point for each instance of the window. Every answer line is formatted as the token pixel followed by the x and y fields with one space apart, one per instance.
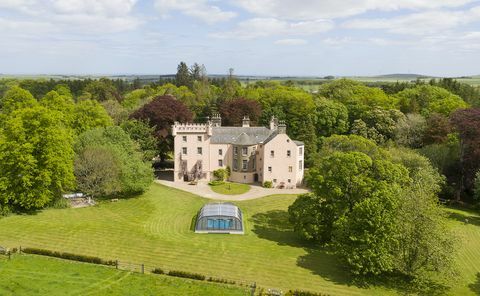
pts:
pixel 300 165
pixel 272 153
pixel 254 163
pixel 270 169
pixel 184 150
pixel 184 138
pixel 235 165
pixel 220 152
pixel 289 153
pixel 199 138
pixel 244 150
pixel 289 180
pixel 290 169
pixel 300 151
pixel 199 150
pixel 244 164
pixel 274 180
pixel 220 163
pixel 235 150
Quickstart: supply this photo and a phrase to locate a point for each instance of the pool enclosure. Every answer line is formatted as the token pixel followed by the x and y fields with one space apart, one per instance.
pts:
pixel 219 218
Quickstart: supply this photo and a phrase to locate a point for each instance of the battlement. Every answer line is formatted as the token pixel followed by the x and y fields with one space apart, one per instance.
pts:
pixel 189 128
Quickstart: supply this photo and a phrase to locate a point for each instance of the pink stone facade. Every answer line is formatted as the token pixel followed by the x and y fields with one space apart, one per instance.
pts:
pixel 254 154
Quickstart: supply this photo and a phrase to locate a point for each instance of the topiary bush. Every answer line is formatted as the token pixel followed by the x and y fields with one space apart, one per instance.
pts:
pixel 267 184
pixel 220 174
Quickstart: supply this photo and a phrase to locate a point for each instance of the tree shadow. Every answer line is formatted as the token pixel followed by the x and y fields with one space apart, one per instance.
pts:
pixel 467 219
pixel 275 226
pixel 475 287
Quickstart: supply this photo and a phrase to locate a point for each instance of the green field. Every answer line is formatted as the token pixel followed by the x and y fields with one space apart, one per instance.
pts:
pixel 155 229
pixel 36 275
pixel 230 188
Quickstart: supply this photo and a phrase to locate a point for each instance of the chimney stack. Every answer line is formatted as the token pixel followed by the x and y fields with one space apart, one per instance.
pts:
pixel 282 127
pixel 273 123
pixel 246 121
pixel 216 120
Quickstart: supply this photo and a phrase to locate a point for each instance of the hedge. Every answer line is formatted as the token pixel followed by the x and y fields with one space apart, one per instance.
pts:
pixel 303 293
pixel 222 281
pixel 158 271
pixel 188 275
pixel 69 256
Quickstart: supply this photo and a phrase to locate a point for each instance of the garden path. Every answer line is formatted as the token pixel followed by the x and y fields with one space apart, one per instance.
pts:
pixel 203 189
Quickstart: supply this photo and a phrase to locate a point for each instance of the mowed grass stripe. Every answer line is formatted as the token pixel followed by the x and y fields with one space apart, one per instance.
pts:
pixel 154 229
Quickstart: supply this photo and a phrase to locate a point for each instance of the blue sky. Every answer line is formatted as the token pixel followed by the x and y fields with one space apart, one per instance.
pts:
pixel 255 37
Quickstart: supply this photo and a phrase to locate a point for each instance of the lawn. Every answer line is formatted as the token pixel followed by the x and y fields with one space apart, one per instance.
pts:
pixel 36 275
pixel 230 188
pixel 155 229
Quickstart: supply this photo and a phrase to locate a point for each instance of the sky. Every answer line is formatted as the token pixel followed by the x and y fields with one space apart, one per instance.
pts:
pixel 255 37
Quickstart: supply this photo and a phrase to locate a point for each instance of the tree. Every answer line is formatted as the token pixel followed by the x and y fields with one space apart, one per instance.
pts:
pixel 115 110
pixel 411 131
pixel 89 114
pixel 142 133
pixel 427 99
pixel 134 175
pixel 16 98
pixel 466 123
pixel 476 187
pixel 183 77
pixel 102 90
pixel 357 97
pixel 36 158
pixel 97 171
pixel 426 245
pixel 331 117
pixel 233 111
pixel 378 124
pixel 437 129
pixel 161 113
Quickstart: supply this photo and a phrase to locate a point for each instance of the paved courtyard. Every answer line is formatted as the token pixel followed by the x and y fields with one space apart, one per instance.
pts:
pixel 204 190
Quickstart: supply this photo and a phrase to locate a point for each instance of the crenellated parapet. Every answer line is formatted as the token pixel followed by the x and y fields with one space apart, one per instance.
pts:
pixel 178 127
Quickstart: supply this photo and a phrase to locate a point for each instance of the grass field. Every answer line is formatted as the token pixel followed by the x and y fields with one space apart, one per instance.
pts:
pixel 36 275
pixel 231 188
pixel 155 229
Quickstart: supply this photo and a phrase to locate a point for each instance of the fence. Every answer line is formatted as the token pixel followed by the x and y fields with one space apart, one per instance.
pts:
pixel 137 267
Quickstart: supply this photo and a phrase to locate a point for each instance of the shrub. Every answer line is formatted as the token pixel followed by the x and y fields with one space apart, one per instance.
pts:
pixel 216 183
pixel 5 211
pixel 188 275
pixel 220 174
pixel 69 256
pixel 267 184
pixel 476 187
pixel 61 203
pixel 158 271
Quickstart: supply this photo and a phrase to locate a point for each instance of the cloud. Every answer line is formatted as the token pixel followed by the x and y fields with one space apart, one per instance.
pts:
pixel 317 9
pixel 291 42
pixel 263 27
pixel 199 9
pixel 86 16
pixel 421 23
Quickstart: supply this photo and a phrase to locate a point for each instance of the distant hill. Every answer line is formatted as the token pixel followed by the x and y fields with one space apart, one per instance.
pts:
pixel 403 76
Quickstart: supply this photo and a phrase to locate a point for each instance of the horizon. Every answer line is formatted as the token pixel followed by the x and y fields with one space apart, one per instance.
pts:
pixel 268 38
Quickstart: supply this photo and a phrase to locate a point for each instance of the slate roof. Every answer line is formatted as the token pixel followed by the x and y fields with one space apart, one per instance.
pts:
pixel 299 143
pixel 249 135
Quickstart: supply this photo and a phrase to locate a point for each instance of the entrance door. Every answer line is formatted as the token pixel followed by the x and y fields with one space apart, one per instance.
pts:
pixel 255 177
